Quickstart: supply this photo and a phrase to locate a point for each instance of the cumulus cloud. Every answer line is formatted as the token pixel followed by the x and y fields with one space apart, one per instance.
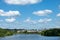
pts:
pixel 10 20
pixel 28 20
pixel 22 2
pixel 58 14
pixel 9 13
pixel 42 12
pixel 44 20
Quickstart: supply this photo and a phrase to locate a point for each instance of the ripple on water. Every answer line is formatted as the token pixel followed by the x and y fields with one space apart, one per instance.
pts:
pixel 29 37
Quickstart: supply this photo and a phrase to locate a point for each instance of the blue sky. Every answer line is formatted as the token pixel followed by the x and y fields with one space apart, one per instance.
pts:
pixel 30 14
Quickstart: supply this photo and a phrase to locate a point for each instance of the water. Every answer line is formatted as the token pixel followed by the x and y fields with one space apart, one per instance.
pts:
pixel 28 37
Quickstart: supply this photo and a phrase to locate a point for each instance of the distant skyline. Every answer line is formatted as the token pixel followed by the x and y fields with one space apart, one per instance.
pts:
pixel 29 14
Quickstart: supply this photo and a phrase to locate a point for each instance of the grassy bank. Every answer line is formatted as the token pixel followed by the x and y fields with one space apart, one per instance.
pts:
pixel 5 32
pixel 9 32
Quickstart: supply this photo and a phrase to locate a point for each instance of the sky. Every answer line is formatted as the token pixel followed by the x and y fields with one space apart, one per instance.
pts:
pixel 29 14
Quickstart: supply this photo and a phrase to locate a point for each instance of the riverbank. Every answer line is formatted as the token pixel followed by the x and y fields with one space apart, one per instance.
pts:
pixel 5 32
pixel 49 32
pixel 9 32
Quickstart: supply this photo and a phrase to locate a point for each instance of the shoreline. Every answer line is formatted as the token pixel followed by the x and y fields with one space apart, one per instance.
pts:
pixel 10 32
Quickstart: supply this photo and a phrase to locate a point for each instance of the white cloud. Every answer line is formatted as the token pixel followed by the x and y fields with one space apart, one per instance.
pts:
pixel 44 20
pixel 9 13
pixel 28 20
pixel 58 14
pixel 10 20
pixel 41 20
pixel 22 2
pixel 42 12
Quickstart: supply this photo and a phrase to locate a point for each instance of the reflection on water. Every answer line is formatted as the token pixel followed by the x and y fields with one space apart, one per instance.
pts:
pixel 29 37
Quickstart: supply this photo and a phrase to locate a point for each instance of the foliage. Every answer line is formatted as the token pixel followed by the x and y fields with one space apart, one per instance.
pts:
pixel 5 32
pixel 51 32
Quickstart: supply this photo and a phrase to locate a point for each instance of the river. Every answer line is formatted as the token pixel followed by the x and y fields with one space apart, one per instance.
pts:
pixel 28 37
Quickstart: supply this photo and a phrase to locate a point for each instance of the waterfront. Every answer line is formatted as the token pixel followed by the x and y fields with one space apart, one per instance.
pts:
pixel 28 37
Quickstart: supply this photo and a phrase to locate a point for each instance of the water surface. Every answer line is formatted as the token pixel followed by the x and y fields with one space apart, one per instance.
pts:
pixel 28 37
